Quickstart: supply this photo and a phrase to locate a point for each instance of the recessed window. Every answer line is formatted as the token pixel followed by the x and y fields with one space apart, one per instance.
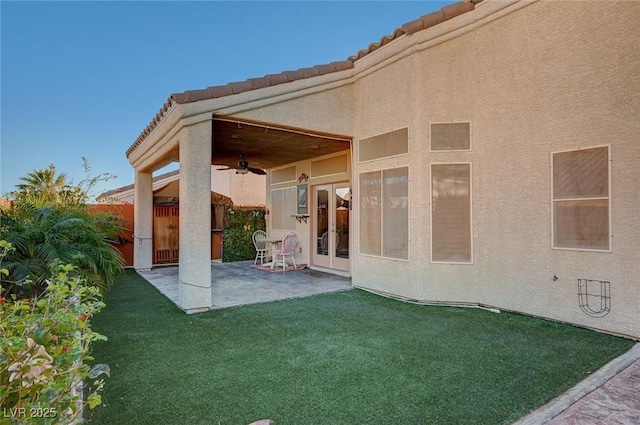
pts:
pixel 282 175
pixel 283 205
pixel 329 166
pixel 451 136
pixel 581 203
pixel 384 145
pixel 451 213
pixel 384 213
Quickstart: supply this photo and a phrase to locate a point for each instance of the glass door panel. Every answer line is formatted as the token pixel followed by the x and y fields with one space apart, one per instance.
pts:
pixel 331 204
pixel 340 236
pixel 322 221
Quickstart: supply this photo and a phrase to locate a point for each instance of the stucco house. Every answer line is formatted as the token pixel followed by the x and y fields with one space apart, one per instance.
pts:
pixel 485 154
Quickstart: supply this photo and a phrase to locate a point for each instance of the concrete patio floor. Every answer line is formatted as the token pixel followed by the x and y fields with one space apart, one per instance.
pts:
pixel 236 284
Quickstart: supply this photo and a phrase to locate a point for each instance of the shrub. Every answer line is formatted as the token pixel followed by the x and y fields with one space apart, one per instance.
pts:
pixel 241 223
pixel 46 342
pixel 49 220
pixel 70 234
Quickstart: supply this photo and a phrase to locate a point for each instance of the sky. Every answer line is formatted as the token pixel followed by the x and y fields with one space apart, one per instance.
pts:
pixel 83 79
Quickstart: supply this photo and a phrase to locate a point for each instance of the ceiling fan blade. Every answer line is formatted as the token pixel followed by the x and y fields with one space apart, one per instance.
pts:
pixel 225 169
pixel 257 171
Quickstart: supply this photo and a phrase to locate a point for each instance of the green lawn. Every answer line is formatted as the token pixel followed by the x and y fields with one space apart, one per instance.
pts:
pixel 342 358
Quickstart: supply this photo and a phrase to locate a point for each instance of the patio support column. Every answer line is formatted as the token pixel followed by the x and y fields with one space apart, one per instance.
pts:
pixel 143 221
pixel 194 288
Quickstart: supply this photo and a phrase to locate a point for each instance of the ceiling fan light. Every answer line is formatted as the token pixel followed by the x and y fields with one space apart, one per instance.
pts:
pixel 242 171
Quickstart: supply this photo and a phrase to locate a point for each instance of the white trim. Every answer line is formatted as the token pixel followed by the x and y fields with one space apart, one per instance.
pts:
pixel 452 150
pixel 384 158
pixel 471 262
pixel 331 223
pixel 594 198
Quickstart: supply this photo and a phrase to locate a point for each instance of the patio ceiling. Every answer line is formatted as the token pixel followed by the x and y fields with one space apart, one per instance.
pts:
pixel 268 145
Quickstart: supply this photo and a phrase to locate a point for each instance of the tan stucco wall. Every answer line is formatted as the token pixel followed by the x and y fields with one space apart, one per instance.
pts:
pixel 550 76
pixel 328 111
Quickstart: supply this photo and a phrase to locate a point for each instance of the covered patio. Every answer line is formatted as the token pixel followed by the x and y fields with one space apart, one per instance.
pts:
pixel 197 142
pixel 236 284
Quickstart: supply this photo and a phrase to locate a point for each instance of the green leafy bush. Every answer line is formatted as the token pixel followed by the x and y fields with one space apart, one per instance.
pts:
pixel 41 235
pixel 45 349
pixel 50 220
pixel 241 223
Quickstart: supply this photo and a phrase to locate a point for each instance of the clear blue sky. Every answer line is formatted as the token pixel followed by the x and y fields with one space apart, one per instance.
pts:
pixel 85 78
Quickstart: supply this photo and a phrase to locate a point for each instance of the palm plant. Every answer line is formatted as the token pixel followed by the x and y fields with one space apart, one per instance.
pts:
pixel 40 235
pixel 43 187
pixel 50 221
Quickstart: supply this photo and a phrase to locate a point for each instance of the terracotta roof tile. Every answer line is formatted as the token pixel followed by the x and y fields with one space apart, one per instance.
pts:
pixel 456 9
pixel 276 79
pixel 178 98
pixel 196 95
pixel 326 69
pixel 426 21
pixel 241 86
pixel 294 75
pixel 216 91
pixel 259 83
pixel 310 72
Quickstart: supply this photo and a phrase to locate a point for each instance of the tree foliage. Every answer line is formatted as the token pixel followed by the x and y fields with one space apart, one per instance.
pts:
pixel 49 221
pixel 43 187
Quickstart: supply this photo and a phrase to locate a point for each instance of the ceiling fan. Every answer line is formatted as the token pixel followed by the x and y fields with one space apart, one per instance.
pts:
pixel 243 167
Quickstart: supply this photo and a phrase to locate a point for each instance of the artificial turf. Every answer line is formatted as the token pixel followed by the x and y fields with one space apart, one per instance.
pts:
pixel 341 358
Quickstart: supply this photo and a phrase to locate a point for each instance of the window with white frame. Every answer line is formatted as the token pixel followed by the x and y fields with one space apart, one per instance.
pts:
pixel 283 205
pixel 581 199
pixel 451 213
pixel 384 213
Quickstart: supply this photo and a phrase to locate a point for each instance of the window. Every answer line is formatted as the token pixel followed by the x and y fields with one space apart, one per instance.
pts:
pixel 581 204
pixel 453 136
pixel 384 145
pixel 283 205
pixel 451 213
pixel 384 213
pixel 283 175
pixel 329 166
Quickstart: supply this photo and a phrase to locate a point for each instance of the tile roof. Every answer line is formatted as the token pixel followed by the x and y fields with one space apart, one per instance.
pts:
pixel 424 22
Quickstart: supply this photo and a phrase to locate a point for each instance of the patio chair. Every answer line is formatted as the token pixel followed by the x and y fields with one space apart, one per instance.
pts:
pixel 260 244
pixel 324 243
pixel 287 249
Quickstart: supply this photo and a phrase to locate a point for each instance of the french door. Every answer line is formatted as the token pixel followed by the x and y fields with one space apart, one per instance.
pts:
pixel 330 241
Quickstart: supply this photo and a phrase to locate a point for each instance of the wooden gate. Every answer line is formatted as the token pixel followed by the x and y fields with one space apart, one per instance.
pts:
pixel 166 234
